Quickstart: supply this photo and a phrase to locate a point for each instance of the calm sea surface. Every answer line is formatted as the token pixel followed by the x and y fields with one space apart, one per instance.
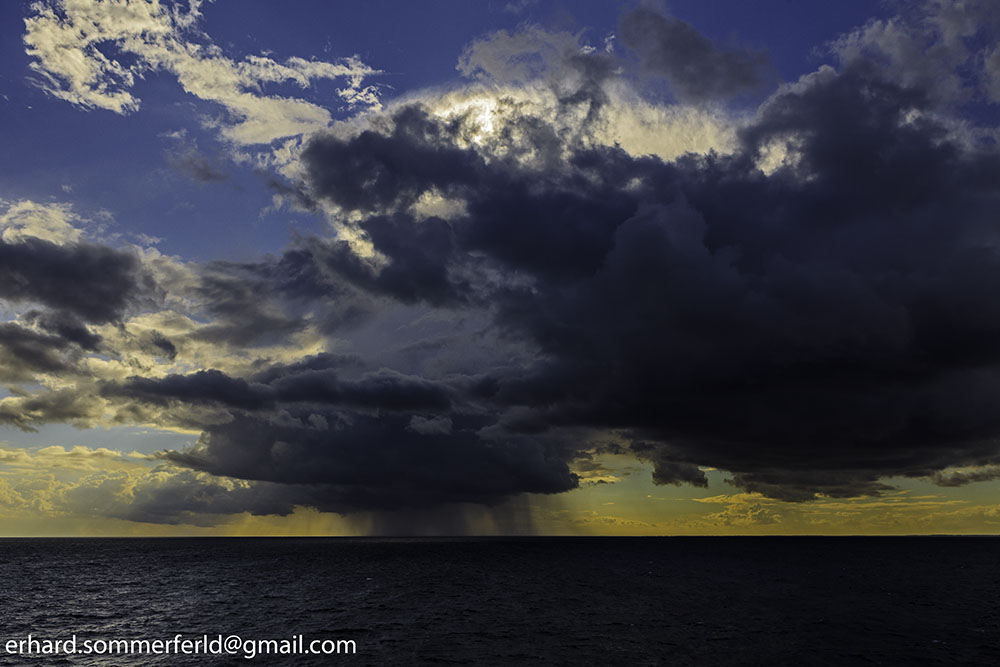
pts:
pixel 560 601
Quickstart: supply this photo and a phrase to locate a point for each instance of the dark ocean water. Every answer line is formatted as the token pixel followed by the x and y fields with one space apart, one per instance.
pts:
pixel 557 601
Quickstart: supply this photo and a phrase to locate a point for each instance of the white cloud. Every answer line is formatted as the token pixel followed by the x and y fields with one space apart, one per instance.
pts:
pixel 56 223
pixel 70 41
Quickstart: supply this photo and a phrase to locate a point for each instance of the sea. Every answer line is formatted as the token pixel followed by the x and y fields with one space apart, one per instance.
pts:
pixel 505 601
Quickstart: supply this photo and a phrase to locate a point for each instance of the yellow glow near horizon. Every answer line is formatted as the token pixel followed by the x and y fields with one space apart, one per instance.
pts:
pixel 38 488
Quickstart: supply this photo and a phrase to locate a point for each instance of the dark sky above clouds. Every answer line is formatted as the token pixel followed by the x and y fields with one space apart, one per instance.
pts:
pixel 747 269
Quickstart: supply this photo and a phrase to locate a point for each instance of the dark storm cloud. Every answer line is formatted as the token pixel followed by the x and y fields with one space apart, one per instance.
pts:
pixel 243 305
pixel 805 485
pixel 260 303
pixel 91 281
pixel 559 233
pixel 346 462
pixel 209 386
pixel 389 172
pixel 667 470
pixel 421 261
pixel 44 343
pixel 317 362
pixel 26 352
pixel 833 316
pixel 377 440
pixel 374 171
pixel 811 330
pixel 383 389
pixel 65 325
pixel 696 68
pixel 526 220
pixel 73 406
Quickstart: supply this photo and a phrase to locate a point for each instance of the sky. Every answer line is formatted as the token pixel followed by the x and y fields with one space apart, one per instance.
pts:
pixel 526 267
